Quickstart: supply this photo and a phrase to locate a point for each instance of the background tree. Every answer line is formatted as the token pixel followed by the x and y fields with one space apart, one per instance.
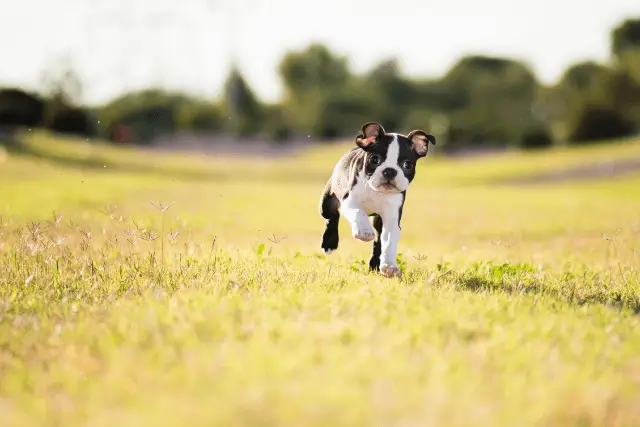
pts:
pixel 625 37
pixel 62 88
pixel 241 105
pixel 152 112
pixel 19 108
pixel 309 77
pixel 492 101
pixel 603 101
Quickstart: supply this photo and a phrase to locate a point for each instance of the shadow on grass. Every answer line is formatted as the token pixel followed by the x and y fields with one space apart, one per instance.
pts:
pixel 19 148
pixel 590 288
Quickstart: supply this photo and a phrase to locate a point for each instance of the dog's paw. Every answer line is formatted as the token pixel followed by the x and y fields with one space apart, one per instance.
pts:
pixel 329 242
pixel 329 245
pixel 390 271
pixel 374 264
pixel 364 232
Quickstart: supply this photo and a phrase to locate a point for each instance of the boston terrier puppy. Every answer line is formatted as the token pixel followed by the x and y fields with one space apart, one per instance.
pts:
pixel 371 180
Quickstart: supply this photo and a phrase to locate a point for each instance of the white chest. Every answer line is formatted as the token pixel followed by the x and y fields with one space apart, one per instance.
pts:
pixel 375 202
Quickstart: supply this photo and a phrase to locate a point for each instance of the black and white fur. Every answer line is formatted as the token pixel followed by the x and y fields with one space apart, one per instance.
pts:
pixel 371 180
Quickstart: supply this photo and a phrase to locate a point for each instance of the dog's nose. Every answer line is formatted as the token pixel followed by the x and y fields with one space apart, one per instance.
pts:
pixel 389 173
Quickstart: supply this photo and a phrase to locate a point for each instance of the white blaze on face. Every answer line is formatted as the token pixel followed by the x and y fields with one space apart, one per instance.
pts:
pixel 391 161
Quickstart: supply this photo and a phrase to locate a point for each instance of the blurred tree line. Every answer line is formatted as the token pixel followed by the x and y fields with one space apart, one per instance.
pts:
pixel 480 102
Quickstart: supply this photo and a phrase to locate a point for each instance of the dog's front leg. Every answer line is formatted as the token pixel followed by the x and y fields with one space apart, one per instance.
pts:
pixel 361 228
pixel 390 237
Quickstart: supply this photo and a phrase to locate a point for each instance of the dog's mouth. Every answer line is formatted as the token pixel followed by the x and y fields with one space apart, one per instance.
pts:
pixel 386 187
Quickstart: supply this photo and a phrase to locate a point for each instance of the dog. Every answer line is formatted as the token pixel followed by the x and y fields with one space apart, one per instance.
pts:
pixel 371 180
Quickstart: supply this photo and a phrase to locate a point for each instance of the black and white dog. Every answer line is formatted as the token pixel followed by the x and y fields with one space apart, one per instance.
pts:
pixel 371 180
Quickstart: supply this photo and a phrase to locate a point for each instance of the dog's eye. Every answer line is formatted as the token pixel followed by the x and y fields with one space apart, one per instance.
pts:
pixel 375 159
pixel 407 165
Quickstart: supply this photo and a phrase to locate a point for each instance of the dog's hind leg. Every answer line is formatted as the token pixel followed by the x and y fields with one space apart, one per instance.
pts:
pixel 374 262
pixel 329 206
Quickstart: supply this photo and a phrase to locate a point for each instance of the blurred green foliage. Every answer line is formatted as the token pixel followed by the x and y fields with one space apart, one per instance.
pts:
pixel 481 102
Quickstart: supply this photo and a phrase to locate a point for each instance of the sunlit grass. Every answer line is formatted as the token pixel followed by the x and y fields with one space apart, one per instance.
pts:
pixel 174 289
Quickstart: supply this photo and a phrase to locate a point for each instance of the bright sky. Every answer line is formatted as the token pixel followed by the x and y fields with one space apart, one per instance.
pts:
pixel 186 44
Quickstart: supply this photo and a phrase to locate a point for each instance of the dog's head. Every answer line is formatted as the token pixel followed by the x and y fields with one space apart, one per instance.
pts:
pixel 390 158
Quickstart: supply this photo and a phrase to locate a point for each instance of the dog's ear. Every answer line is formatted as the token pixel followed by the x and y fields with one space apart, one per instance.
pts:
pixel 372 129
pixel 420 141
pixel 370 132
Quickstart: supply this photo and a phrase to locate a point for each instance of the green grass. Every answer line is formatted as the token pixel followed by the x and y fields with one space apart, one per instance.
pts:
pixel 519 304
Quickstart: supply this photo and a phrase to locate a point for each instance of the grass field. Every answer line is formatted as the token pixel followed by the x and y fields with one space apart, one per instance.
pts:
pixel 139 288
